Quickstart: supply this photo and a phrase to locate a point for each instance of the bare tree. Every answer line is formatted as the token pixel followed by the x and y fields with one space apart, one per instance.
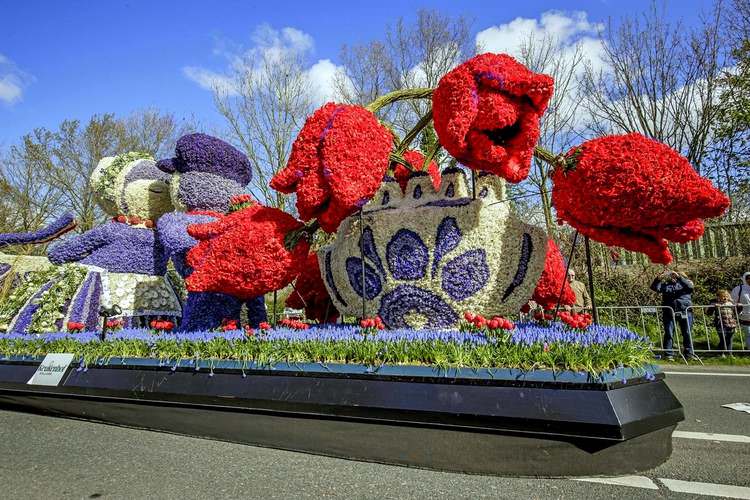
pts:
pixel 415 55
pixel 661 79
pixel 48 171
pixel 560 126
pixel 265 108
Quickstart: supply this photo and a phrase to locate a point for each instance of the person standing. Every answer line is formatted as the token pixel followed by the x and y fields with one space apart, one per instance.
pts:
pixel 583 300
pixel 676 292
pixel 725 322
pixel 741 299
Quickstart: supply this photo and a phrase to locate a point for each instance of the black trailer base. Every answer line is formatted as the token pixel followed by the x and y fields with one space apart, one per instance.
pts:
pixel 501 422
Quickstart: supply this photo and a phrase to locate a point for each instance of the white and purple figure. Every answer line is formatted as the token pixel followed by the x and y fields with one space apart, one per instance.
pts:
pixel 206 173
pixel 136 193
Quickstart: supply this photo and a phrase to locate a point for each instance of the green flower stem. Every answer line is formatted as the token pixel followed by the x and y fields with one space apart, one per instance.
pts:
pixel 431 154
pixel 399 95
pixel 414 132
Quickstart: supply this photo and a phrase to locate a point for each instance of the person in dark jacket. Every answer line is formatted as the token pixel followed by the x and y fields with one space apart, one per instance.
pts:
pixel 676 292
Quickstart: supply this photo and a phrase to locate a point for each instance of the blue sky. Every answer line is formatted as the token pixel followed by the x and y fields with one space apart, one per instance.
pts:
pixel 71 59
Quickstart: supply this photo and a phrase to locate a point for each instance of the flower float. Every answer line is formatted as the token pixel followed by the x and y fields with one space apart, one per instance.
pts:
pixel 243 254
pixel 337 163
pixel 57 228
pixel 487 113
pixel 634 192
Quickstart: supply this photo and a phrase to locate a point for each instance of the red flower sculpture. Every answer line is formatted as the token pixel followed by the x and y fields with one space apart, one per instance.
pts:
pixel 337 163
pixel 636 193
pixel 552 280
pixel 416 160
pixel 486 113
pixel 311 294
pixel 243 254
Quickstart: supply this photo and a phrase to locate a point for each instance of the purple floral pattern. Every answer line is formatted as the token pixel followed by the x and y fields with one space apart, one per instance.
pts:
pixel 407 255
pixel 466 274
pixel 204 153
pixel 447 239
pixel 373 284
pixel 405 300
pixel 527 246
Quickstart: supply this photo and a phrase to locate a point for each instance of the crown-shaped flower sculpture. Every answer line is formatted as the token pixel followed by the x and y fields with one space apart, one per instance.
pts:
pixel 428 255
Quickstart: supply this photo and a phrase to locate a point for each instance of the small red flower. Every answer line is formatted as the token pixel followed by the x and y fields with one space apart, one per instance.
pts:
pixel 264 326
pixel 469 316
pixel 229 325
pixel 337 163
pixel 243 253
pixel 74 326
pixel 552 280
pixel 148 223
pixel 311 294
pixel 134 219
pixel 487 112
pixel 114 324
pixel 249 332
pixel 636 193
pixel 416 160
pixel 121 219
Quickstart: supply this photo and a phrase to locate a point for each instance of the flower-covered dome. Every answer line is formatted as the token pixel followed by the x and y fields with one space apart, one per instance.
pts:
pixel 431 254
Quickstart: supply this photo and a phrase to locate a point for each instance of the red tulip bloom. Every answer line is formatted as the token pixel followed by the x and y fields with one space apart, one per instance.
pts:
pixel 416 160
pixel 337 163
pixel 486 113
pixel 636 193
pixel 311 294
pixel 243 254
pixel 552 280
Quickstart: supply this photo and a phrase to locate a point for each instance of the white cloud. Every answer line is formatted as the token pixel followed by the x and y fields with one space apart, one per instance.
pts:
pixel 321 77
pixel 270 46
pixel 210 80
pixel 13 81
pixel 570 32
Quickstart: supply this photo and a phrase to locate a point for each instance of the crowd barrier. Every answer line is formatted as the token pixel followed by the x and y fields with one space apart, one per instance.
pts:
pixel 649 322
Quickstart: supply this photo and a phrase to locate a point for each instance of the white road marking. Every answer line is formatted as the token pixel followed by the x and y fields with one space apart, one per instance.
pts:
pixel 710 436
pixel 634 481
pixel 715 490
pixel 711 374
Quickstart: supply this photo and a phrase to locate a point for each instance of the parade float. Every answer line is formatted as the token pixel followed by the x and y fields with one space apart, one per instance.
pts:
pixel 411 279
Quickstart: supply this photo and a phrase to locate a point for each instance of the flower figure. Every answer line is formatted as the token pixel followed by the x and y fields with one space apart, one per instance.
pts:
pixel 243 254
pixel 487 112
pixel 310 294
pixel 337 163
pixel 416 160
pixel 552 280
pixel 636 193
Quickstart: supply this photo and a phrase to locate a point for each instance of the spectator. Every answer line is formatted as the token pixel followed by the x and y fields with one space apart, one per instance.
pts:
pixel 741 298
pixel 676 289
pixel 723 311
pixel 583 300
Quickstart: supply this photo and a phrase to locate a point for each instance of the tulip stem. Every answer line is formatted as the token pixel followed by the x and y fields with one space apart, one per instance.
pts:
pixel 414 132
pixel 399 95
pixel 561 160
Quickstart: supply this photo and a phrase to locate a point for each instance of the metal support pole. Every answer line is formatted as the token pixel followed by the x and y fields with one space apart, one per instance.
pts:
pixel 567 267
pixel 274 308
pixel 473 185
pixel 362 258
pixel 589 269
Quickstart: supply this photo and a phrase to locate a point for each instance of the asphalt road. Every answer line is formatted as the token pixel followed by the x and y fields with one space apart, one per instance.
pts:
pixel 46 457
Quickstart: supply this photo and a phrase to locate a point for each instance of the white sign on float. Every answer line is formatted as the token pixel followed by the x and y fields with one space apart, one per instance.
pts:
pixel 52 369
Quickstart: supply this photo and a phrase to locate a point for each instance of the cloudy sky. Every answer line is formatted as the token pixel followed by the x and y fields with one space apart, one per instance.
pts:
pixel 71 59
